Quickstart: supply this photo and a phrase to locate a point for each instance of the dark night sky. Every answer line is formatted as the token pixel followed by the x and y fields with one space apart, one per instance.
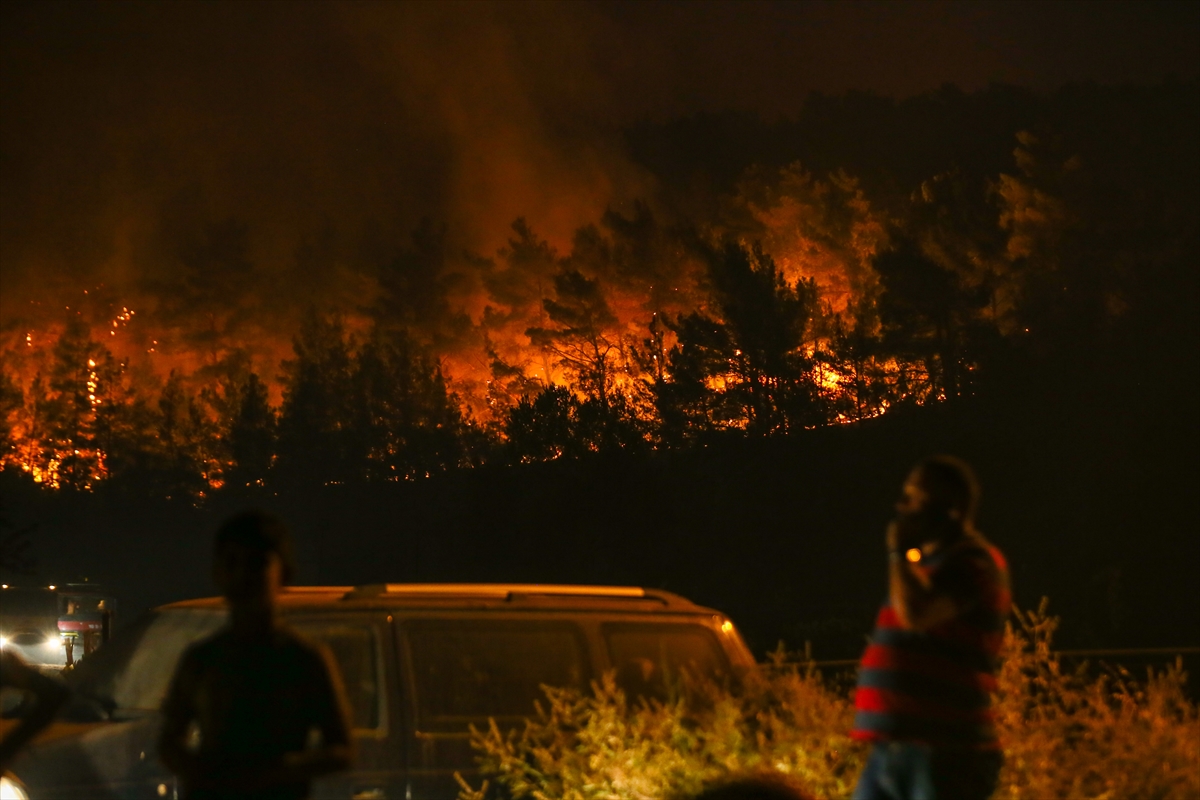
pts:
pixel 333 128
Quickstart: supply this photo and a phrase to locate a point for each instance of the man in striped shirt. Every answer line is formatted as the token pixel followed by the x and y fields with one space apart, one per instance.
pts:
pixel 927 676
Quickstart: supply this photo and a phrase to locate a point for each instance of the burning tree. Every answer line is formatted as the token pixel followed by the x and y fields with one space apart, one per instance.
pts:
pixel 779 299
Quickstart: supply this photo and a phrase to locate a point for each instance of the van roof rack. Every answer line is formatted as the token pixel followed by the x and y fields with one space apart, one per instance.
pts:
pixel 506 591
pixel 503 592
pixel 317 589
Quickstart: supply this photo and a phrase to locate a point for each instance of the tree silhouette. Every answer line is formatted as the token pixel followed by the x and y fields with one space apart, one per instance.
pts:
pixel 855 357
pixel 928 315
pixel 11 401
pixel 80 375
pixel 405 421
pixel 210 288
pixel 518 289
pixel 766 320
pixel 543 428
pixel 580 337
pixel 689 397
pixel 252 436
pixel 578 334
pixel 316 418
pixel 127 433
pixel 507 386
pixel 186 438
pixel 415 287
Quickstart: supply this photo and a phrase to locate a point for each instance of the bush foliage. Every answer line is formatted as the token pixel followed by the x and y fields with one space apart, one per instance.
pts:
pixel 1068 733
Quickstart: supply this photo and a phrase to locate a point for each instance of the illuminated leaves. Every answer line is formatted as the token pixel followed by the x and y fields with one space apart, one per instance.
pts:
pixel 1066 733
pixel 1071 733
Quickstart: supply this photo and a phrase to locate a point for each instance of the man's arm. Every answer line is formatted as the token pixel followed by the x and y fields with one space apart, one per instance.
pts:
pixel 332 718
pixel 918 603
pixel 177 718
pixel 48 697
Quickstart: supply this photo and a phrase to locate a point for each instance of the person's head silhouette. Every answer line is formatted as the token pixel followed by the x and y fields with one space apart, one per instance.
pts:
pixel 943 485
pixel 252 559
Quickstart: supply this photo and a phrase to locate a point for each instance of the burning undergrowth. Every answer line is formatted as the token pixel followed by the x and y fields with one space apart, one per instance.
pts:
pixel 638 337
pixel 793 301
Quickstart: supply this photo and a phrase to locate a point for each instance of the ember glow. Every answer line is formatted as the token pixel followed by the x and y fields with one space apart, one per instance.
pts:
pixel 765 346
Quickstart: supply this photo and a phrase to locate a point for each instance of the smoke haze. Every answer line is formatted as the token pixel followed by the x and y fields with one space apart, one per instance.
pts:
pixel 237 163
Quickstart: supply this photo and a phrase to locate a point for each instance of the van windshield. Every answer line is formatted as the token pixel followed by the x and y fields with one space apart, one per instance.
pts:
pixel 474 669
pixel 130 674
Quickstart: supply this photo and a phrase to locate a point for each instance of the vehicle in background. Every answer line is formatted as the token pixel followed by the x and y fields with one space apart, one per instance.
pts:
pixel 420 663
pixel 54 626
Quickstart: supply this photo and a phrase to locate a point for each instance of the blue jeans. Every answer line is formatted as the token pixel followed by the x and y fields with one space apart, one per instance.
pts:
pixel 907 771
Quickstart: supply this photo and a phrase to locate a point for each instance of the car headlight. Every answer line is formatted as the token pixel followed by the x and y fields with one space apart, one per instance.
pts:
pixel 11 789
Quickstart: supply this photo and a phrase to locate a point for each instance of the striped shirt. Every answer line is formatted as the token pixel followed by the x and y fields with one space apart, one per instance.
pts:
pixel 935 687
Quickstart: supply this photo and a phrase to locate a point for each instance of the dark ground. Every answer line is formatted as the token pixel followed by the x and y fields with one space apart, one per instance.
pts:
pixel 1094 501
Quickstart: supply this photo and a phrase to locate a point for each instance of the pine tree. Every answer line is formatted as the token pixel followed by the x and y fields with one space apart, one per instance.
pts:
pixel 12 399
pixel 406 421
pixel 187 439
pixel 690 398
pixel 252 436
pixel 65 410
pixel 544 428
pixel 765 321
pixel 519 288
pixel 930 316
pixel 316 418
pixel 126 432
pixel 577 334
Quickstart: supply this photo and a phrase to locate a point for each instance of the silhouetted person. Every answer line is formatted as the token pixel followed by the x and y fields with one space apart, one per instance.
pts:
pixel 926 679
pixel 762 787
pixel 254 711
pixel 47 695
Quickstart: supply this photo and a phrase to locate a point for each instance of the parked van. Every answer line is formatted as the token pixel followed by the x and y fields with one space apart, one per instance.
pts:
pixel 420 663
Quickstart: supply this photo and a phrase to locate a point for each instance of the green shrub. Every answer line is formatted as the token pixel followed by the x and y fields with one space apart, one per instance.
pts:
pixel 1067 734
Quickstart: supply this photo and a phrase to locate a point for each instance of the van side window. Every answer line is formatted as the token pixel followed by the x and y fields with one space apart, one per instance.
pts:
pixel 649 659
pixel 355 649
pixel 474 669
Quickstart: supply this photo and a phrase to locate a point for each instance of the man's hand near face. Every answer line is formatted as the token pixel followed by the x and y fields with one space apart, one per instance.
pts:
pixel 917 602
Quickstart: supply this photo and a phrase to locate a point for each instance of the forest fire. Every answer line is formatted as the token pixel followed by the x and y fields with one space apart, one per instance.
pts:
pixel 789 300
pixel 803 307
pixel 567 352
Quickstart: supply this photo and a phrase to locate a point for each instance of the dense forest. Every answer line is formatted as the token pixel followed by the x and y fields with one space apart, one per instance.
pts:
pixel 714 389
pixel 867 256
